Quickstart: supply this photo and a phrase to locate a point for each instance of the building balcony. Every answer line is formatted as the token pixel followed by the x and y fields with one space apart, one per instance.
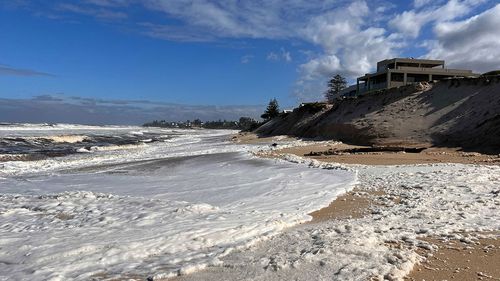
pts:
pixel 433 70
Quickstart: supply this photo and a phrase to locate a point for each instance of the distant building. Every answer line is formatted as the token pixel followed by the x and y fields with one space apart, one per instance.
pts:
pixel 403 71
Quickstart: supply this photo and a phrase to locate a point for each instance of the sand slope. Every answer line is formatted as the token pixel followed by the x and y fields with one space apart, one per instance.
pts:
pixel 458 112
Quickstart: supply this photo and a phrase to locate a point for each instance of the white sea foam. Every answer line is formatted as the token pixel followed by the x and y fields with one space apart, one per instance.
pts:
pixel 155 210
pixel 443 200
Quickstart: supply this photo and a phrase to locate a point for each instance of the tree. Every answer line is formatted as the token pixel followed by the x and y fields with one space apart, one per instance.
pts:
pixel 335 85
pixel 272 110
pixel 197 122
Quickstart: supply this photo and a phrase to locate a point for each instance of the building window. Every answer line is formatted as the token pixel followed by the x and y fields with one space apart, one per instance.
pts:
pixel 397 77
pixel 417 78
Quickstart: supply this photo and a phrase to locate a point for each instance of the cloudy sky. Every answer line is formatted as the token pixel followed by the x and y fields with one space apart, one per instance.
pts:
pixel 225 52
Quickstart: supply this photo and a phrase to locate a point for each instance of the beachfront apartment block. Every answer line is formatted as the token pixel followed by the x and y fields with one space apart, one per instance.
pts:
pixel 397 72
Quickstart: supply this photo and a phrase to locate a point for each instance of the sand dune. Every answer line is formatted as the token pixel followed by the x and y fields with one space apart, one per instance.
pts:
pixel 459 112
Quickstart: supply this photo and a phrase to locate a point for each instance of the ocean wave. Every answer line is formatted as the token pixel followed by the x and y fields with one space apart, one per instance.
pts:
pixel 65 138
pixel 117 147
pixel 137 133
pixel 18 157
pixel 110 147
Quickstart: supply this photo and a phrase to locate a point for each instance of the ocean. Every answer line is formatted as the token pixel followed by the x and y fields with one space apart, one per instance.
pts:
pixel 82 202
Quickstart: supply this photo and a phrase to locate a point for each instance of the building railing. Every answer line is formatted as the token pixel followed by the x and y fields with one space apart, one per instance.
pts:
pixel 427 69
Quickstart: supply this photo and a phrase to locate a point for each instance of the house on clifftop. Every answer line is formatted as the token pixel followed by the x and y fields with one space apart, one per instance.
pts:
pixel 403 71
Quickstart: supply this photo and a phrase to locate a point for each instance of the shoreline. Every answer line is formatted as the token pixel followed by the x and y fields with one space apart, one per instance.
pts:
pixel 446 258
pixel 337 152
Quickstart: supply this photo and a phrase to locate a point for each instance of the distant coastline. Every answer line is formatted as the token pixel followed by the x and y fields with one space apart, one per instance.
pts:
pixel 244 124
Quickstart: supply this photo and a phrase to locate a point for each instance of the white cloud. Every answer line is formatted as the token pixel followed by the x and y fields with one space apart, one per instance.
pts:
pixel 420 3
pixel 231 18
pixel 286 55
pixel 283 55
pixel 246 59
pixel 104 14
pixel 471 43
pixel 411 22
pixel 109 3
pixel 320 67
pixel 272 56
pixel 350 47
pixel 13 71
pixel 168 32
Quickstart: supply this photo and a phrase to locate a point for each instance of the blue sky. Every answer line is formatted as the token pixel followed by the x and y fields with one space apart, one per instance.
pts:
pixel 228 52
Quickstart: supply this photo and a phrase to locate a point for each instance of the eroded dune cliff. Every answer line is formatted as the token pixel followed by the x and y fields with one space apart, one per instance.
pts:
pixel 458 112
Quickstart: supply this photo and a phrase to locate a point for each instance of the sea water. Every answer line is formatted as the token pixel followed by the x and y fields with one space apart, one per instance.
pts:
pixel 82 202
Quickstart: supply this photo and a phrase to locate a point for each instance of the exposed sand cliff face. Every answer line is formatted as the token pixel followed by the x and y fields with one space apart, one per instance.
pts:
pixel 458 112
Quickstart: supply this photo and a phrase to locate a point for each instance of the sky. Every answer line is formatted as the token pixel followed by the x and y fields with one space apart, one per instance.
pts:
pixel 216 56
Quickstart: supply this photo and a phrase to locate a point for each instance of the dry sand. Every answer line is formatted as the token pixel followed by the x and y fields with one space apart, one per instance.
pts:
pixel 454 260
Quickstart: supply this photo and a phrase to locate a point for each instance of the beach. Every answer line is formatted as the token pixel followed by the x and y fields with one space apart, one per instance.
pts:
pixel 164 204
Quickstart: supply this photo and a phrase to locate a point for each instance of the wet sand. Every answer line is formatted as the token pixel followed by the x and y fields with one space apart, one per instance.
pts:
pixel 429 155
pixel 478 259
pixel 345 153
pixel 351 205
pixel 251 138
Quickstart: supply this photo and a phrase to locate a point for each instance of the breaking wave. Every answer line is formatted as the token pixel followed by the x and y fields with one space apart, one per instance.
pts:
pixel 36 147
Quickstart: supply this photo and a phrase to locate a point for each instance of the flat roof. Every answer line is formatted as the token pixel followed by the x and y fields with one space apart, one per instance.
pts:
pixel 446 72
pixel 412 60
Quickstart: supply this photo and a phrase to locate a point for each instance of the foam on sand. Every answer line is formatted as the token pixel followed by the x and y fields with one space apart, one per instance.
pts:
pixel 438 200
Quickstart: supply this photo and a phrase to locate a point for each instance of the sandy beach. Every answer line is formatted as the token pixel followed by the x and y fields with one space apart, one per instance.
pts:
pixel 467 256
pixel 269 209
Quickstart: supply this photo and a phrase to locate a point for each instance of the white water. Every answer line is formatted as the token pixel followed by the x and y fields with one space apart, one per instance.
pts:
pixel 151 210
